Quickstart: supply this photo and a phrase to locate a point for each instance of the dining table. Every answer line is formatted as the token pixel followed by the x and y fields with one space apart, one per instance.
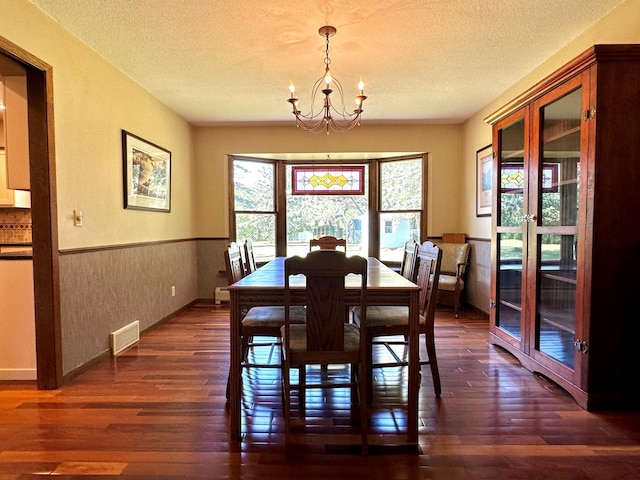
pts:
pixel 265 287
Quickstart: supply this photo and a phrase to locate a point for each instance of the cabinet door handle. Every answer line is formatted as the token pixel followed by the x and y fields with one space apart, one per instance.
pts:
pixel 581 346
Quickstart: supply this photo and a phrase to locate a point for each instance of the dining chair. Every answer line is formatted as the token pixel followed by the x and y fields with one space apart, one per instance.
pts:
pixel 249 258
pixel 233 263
pixel 383 321
pixel 326 338
pixel 409 265
pixel 327 243
pixel 263 321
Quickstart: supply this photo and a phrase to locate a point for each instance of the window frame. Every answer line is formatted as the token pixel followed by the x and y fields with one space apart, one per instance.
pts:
pixel 279 186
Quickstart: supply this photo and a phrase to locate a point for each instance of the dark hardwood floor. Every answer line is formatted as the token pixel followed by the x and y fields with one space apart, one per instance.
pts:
pixel 158 411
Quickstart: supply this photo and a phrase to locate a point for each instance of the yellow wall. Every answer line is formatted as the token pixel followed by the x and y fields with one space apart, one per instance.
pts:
pixel 213 144
pixel 622 25
pixel 93 101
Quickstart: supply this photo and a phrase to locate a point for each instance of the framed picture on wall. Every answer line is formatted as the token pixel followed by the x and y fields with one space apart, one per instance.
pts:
pixel 484 190
pixel 146 174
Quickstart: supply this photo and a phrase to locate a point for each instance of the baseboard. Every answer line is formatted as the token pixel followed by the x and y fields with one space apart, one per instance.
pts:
pixel 18 374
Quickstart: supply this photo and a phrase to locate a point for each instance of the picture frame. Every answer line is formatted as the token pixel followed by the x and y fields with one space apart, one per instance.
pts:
pixel 484 187
pixel 146 174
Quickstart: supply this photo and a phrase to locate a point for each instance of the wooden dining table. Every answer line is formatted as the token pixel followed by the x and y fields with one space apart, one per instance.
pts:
pixel 265 287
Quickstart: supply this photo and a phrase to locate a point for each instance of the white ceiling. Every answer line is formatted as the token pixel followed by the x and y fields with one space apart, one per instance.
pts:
pixel 228 61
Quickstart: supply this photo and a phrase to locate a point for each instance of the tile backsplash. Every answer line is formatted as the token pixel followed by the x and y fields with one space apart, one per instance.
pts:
pixel 15 225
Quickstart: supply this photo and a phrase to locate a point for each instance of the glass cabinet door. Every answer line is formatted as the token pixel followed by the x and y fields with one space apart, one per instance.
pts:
pixel 555 204
pixel 511 185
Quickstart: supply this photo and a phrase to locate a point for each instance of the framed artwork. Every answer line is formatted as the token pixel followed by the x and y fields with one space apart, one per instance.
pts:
pixel 484 190
pixel 146 174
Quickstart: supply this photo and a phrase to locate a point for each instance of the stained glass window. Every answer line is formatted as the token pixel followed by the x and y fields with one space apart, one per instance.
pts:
pixel 328 180
pixel 512 178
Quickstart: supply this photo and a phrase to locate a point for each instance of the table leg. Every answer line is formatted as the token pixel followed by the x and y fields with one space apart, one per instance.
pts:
pixel 235 380
pixel 414 367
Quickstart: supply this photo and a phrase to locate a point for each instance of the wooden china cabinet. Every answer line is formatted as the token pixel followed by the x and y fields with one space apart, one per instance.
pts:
pixel 565 294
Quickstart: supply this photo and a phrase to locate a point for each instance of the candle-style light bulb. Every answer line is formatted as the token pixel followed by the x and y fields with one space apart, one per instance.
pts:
pixel 292 89
pixel 361 86
pixel 327 78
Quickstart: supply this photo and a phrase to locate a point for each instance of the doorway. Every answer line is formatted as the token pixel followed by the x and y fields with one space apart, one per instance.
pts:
pixel 43 214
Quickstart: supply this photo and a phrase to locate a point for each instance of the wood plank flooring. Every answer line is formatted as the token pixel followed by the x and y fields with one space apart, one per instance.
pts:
pixel 157 411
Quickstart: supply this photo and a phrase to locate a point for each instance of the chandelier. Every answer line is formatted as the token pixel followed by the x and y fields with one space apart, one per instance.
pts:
pixel 328 117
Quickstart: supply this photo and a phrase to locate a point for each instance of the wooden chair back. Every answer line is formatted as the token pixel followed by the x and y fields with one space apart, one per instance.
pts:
pixel 249 258
pixel 325 272
pixel 454 238
pixel 233 262
pixel 327 243
pixel 409 266
pixel 429 261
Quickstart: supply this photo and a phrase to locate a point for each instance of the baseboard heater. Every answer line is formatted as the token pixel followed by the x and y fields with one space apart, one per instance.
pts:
pixel 125 337
pixel 221 295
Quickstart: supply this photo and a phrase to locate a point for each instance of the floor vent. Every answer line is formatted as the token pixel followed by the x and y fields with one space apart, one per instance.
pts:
pixel 125 337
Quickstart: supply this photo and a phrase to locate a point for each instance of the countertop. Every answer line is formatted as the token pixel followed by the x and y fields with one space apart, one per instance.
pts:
pixel 16 251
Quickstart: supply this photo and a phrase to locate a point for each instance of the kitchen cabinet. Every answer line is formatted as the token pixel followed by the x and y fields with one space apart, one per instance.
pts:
pixel 565 248
pixel 13 81
pixel 8 197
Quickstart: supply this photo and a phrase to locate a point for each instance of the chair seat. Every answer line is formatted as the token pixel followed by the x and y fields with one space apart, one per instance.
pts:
pixel 272 316
pixel 448 282
pixel 385 316
pixel 298 341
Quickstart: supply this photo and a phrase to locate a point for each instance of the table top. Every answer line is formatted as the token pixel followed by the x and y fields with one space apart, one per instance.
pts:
pixel 271 276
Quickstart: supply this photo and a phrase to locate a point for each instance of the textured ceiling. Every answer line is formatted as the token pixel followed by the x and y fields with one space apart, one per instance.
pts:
pixel 227 61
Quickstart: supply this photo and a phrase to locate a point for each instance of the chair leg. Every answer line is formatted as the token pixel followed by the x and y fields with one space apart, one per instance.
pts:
pixel 369 377
pixel 246 340
pixel 433 362
pixel 355 378
pixel 364 410
pixel 285 374
pixel 302 382
pixel 456 302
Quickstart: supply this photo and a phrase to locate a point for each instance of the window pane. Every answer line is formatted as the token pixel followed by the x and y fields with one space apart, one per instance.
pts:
pixel 512 175
pixel 509 313
pixel 401 185
pixel 395 230
pixel 261 230
pixel 561 163
pixel 253 184
pixel 341 216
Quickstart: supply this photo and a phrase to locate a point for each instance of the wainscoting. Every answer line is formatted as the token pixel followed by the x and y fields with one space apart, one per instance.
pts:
pixel 103 289
pixel 478 281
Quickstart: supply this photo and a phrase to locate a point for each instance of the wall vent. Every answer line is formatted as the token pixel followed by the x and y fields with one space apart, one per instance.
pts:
pixel 125 337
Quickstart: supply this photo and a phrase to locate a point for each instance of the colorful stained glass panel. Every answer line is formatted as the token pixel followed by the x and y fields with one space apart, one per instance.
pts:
pixel 328 180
